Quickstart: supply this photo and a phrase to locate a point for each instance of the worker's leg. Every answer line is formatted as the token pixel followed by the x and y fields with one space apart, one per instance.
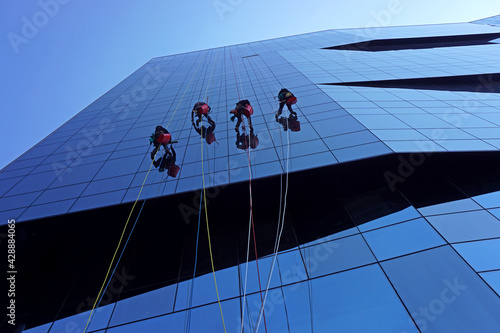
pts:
pixel 250 123
pixel 238 123
pixel 153 153
pixel 280 110
pixel 167 150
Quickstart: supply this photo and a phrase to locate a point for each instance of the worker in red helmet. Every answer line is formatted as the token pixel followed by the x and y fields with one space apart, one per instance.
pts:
pixel 286 97
pixel 205 132
pixel 160 132
pixel 243 107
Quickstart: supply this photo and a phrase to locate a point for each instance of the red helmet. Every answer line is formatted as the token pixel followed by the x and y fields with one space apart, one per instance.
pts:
pixel 204 109
pixel 164 138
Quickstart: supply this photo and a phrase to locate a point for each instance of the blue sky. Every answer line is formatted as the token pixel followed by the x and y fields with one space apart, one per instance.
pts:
pixel 58 56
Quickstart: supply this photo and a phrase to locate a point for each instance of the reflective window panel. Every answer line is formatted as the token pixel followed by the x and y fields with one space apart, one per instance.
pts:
pixel 442 293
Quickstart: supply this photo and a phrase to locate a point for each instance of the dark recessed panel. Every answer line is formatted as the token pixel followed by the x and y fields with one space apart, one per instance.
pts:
pixel 395 44
pixel 481 83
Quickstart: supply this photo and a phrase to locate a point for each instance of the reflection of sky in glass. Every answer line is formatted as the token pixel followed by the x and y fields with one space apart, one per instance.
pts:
pixel 100 320
pixel 450 295
pixel 146 305
pixel 459 227
pixel 402 238
pixel 481 255
pixel 361 300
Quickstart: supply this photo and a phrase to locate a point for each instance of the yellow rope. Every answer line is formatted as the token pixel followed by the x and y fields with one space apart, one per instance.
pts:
pixel 208 233
pixel 135 203
pixel 119 243
pixel 205 206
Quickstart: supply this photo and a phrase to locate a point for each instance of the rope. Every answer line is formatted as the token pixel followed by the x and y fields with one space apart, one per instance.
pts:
pixel 281 141
pixel 187 322
pixel 205 202
pixel 281 216
pixel 208 233
pixel 252 228
pixel 276 244
pixel 246 273
pixel 253 232
pixel 189 296
pixel 177 107
pixel 251 222
pixel 188 318
pixel 128 238
pixel 101 294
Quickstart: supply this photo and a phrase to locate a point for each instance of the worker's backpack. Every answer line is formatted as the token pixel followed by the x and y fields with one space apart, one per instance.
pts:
pixel 294 125
pixel 210 137
pixel 254 141
pixel 291 100
pixel 173 170
pixel 284 94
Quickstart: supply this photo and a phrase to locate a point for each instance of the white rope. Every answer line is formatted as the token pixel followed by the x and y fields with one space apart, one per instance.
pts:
pixel 281 216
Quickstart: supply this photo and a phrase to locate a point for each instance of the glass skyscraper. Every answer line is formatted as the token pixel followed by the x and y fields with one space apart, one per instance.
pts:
pixel 373 207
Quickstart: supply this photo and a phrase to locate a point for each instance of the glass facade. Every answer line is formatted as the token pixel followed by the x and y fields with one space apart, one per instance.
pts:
pixel 391 193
